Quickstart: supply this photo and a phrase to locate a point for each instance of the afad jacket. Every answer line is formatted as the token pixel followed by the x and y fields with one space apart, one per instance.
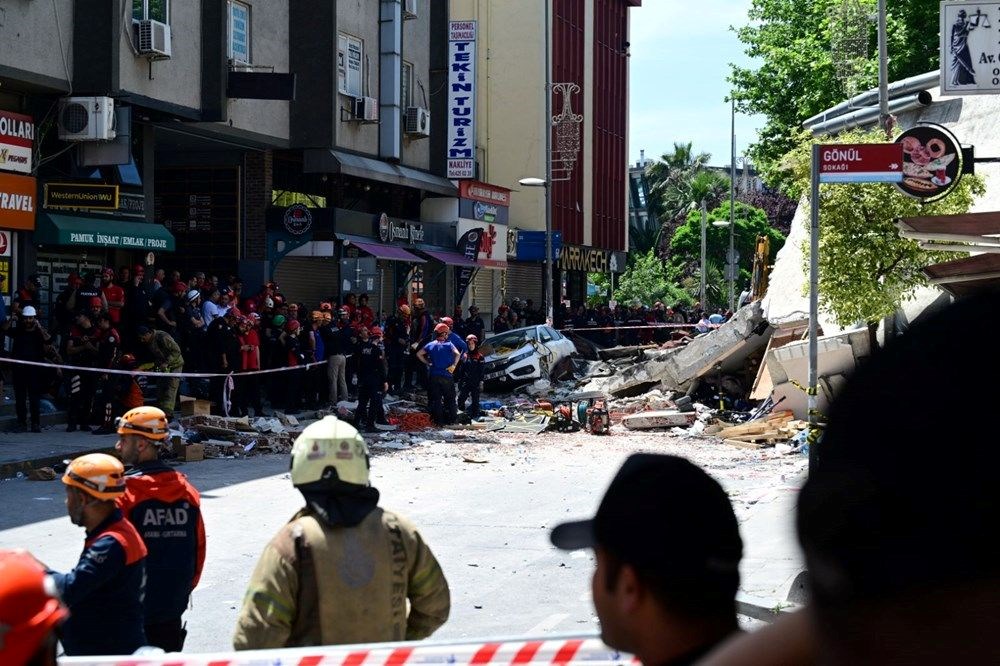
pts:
pixel 166 511
pixel 104 592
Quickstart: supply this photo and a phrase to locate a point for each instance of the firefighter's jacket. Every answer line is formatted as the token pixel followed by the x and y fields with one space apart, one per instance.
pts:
pixel 322 585
pixel 166 511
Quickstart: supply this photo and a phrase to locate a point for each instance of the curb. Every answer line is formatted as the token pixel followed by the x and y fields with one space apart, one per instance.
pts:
pixel 10 469
pixel 763 609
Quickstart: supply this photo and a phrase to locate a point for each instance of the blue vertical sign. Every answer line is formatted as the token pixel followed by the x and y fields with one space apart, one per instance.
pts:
pixel 461 152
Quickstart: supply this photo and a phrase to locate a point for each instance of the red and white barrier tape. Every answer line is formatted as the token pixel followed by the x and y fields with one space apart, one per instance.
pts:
pixel 546 652
pixel 612 328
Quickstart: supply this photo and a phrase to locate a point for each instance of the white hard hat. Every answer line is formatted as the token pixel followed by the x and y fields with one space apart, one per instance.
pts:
pixel 329 444
pixel 29 311
pixel 193 294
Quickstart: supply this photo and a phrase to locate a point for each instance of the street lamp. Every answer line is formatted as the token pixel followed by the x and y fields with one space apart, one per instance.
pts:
pixel 541 182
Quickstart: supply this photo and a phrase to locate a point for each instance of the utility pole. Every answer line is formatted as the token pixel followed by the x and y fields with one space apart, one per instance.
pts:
pixel 548 175
pixel 731 257
pixel 704 251
pixel 883 71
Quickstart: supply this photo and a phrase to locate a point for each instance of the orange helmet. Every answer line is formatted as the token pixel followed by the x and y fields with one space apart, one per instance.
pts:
pixel 148 422
pixel 29 606
pixel 97 474
pixel 442 328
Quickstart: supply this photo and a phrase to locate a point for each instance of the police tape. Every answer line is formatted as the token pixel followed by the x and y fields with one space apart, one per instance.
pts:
pixel 154 373
pixel 612 328
pixel 520 652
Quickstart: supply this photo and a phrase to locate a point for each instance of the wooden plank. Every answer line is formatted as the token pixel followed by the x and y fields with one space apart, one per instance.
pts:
pixel 745 429
pixel 742 445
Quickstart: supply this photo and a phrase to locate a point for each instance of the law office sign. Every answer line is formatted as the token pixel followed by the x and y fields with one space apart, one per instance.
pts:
pixel 970 48
pixel 461 152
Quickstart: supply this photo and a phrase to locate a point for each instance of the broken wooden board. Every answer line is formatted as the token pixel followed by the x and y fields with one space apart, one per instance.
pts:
pixel 670 418
pixel 742 445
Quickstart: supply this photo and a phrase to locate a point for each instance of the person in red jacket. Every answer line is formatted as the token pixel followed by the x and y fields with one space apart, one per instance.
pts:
pixel 30 611
pixel 166 510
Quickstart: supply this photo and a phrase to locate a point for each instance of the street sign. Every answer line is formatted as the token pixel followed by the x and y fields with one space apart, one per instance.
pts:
pixel 861 163
pixel 732 272
pixel 732 255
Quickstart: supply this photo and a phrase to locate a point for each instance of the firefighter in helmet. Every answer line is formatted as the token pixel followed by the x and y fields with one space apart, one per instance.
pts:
pixel 166 510
pixel 104 592
pixel 30 611
pixel 342 570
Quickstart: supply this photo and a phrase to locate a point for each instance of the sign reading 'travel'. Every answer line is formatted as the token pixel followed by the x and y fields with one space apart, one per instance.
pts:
pixel 861 163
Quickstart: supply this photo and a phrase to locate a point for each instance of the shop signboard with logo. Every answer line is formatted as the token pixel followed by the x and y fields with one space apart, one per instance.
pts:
pixel 469 245
pixel 389 230
pixel 18 196
pixel 17 141
pixel 582 258
pixel 93 196
pixel 461 150
pixel 932 162
pixel 970 63
pixel 491 248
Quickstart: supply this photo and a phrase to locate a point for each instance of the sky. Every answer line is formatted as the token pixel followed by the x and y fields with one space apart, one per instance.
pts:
pixel 680 60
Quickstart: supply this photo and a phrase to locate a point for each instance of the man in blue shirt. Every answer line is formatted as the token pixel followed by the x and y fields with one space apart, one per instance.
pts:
pixel 441 356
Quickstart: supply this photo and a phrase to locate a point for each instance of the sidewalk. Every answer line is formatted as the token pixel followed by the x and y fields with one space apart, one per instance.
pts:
pixel 771 555
pixel 20 452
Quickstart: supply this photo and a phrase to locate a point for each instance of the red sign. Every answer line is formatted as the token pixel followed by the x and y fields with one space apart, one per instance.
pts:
pixel 477 191
pixel 861 163
pixel 17 202
pixel 4 244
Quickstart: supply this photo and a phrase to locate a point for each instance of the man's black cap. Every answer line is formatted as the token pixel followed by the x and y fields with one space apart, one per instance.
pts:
pixel 661 511
pixel 142 329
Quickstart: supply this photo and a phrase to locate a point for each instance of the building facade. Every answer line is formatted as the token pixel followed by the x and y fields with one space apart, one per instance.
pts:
pixel 588 47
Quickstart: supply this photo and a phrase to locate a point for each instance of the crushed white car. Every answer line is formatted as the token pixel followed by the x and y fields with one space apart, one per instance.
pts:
pixel 521 356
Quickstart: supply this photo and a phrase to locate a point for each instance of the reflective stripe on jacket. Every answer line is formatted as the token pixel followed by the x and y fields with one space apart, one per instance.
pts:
pixel 355 591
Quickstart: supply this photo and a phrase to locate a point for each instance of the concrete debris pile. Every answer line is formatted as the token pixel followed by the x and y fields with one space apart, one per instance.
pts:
pixel 229 437
pixel 779 427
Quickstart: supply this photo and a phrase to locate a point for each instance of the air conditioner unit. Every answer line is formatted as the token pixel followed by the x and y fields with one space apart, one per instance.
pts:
pixel 418 121
pixel 86 119
pixel 409 9
pixel 154 38
pixel 366 109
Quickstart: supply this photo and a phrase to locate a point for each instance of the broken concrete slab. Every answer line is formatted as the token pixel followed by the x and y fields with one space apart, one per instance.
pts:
pixel 727 347
pixel 634 351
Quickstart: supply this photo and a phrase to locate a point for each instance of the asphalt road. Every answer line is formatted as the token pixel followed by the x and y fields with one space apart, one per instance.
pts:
pixel 487 522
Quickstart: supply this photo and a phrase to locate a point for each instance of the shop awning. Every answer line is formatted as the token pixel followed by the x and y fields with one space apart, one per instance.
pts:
pixel 337 161
pixel 451 258
pixel 76 231
pixel 965 276
pixel 381 251
pixel 979 228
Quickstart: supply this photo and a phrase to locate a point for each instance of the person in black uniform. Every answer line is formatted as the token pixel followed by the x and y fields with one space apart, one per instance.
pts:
pixel 372 374
pixel 224 354
pixel 475 325
pixel 396 332
pixel 82 351
pixel 472 377
pixel 28 340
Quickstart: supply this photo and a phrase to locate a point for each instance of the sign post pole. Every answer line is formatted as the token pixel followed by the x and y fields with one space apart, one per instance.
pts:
pixel 813 299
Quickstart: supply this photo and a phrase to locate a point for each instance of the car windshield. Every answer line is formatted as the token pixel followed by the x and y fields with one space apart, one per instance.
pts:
pixel 510 341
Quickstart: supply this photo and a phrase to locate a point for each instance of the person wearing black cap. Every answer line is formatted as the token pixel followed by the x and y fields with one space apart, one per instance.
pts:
pixel 668 550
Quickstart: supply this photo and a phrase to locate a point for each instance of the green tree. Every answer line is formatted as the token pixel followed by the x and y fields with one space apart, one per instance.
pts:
pixel 685 249
pixel 866 268
pixel 793 76
pixel 648 280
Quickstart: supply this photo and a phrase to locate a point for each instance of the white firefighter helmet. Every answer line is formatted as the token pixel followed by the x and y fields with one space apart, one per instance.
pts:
pixel 329 443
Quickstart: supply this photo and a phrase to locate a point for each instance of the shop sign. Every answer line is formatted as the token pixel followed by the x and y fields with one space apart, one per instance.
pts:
pixel 389 230
pixel 590 259
pixel 970 62
pixel 492 248
pixel 5 243
pixel 931 162
pixel 125 241
pixel 484 192
pixel 469 246
pixel 483 212
pixel 461 151
pixel 17 201
pixel 93 196
pixel 297 219
pixel 17 140
pixel 530 245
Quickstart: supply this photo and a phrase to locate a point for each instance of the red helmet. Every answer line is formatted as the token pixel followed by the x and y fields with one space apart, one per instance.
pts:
pixel 74 280
pixel 29 606
pixel 376 331
pixel 502 309
pixel 180 287
pixel 449 321
pixel 442 328
pixel 250 305
pixel 138 268
pixel 127 361
pixel 95 301
pixel 278 299
pixel 292 326
pixel 472 337
pixel 108 272
pixel 325 306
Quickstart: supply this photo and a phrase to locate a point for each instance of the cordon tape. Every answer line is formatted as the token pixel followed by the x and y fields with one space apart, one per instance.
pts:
pixel 547 652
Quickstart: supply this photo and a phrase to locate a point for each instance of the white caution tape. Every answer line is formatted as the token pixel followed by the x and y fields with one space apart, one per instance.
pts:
pixel 520 652
pixel 152 373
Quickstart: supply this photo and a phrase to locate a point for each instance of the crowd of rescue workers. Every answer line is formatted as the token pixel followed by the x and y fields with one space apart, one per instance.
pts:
pixel 159 321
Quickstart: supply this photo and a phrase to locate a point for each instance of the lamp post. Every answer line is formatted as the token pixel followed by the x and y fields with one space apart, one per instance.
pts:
pixel 704 250
pixel 731 257
pixel 542 182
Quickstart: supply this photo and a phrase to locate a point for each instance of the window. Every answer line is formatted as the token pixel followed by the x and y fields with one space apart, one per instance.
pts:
pixel 350 55
pixel 156 10
pixel 546 335
pixel 406 78
pixel 239 31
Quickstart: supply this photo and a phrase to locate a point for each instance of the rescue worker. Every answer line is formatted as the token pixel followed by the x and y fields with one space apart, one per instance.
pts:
pixel 167 356
pixel 372 379
pixel 475 325
pixel 421 332
pixel 342 570
pixel 336 361
pixel 166 510
pixel 396 349
pixel 441 357
pixel 82 351
pixel 28 341
pixel 471 381
pixel 453 337
pixel 501 324
pixel 117 395
pixel 104 591
pixel 30 611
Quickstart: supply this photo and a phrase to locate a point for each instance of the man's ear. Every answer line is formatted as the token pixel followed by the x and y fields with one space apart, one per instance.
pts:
pixel 628 591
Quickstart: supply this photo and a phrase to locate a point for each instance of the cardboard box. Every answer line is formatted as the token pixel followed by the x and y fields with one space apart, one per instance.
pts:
pixel 195 407
pixel 192 453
